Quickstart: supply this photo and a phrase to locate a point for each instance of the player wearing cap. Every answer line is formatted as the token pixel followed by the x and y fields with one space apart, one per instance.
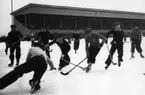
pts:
pixel 116 44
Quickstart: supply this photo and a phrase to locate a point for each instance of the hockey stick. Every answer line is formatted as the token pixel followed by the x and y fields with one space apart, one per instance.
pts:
pixel 74 64
pixel 73 68
pixel 17 41
pixel 110 55
pixel 45 47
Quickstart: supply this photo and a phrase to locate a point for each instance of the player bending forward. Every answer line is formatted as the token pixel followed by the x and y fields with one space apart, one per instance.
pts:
pixel 65 48
pixel 36 61
pixel 93 46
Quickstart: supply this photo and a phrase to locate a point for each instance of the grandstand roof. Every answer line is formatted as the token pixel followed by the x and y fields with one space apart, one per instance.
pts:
pixel 76 11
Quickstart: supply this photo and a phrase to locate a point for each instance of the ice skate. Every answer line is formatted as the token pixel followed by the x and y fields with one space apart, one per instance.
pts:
pixel 114 63
pixel 31 83
pixel 106 67
pixel 75 52
pixel 17 63
pixel 119 63
pixel 10 65
pixel 34 86
pixel 60 68
pixel 141 55
pixel 132 56
pixel 88 68
pixel 121 60
pixel 52 69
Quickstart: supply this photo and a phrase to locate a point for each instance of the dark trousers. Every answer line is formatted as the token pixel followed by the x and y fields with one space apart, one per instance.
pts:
pixel 119 49
pixel 62 63
pixel 76 44
pixel 36 64
pixel 18 53
pixel 93 51
pixel 136 43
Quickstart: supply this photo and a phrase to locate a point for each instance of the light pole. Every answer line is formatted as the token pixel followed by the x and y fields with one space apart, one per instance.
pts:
pixel 12 11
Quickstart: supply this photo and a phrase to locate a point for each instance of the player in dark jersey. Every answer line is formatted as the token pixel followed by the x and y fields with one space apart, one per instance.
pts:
pixel 13 42
pixel 44 36
pixel 65 48
pixel 117 43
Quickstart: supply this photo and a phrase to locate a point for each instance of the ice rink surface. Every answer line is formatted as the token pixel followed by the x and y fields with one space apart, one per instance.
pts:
pixel 125 80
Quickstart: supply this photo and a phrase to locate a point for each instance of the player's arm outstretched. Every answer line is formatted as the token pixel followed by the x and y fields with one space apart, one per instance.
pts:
pixel 50 63
pixel 104 39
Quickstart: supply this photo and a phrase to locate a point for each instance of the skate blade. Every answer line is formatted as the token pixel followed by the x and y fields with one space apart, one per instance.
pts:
pixel 34 91
pixel 87 70
pixel 114 63
pixel 106 67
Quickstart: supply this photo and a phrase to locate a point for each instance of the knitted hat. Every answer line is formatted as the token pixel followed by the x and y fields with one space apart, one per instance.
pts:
pixel 13 26
pixel 88 30
pixel 117 23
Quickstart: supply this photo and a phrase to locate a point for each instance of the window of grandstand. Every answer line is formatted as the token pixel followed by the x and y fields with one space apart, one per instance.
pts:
pixel 95 24
pixel 107 23
pixel 53 22
pixel 37 23
pixel 68 23
pixel 82 23
pixel 25 20
pixel 142 24
pixel 135 22
pixel 127 24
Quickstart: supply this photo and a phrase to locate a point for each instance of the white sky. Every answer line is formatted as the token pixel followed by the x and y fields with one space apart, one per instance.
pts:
pixel 124 5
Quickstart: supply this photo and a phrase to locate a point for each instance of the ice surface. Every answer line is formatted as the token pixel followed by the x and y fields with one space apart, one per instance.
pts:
pixel 125 80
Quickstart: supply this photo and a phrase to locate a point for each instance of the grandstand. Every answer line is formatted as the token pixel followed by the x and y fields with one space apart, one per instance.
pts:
pixel 65 19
